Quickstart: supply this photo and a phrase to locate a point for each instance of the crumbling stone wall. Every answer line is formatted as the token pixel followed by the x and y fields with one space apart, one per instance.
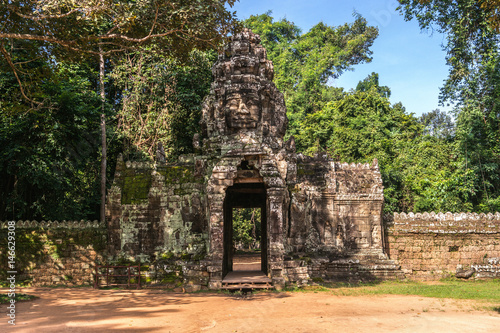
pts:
pixel 430 246
pixel 313 206
pixel 54 253
pixel 157 209
pixel 336 208
pixel 335 229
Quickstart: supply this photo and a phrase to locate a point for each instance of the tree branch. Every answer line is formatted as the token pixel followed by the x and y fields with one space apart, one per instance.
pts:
pixel 27 61
pixel 43 17
pixel 154 22
pixel 136 40
pixel 68 44
pixel 11 64
pixel 71 44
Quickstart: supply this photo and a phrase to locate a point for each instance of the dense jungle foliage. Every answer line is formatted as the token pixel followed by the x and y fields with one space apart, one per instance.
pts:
pixel 50 106
pixel 247 228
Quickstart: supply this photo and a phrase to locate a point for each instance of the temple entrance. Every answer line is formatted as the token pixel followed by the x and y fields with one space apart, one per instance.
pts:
pixel 245 229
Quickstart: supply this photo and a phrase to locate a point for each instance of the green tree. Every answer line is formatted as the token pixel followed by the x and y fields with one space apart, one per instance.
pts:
pixel 472 45
pixel 69 30
pixel 438 124
pixel 161 101
pixel 86 25
pixel 372 82
pixel 361 126
pixel 246 226
pixel 432 177
pixel 471 29
pixel 358 127
pixel 49 157
pixel 477 144
pixel 304 63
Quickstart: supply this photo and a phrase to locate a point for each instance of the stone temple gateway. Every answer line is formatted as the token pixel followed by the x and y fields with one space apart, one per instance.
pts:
pixel 320 219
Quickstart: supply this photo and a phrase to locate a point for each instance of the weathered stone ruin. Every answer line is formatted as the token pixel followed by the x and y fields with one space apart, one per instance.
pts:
pixel 321 220
pixel 430 246
pixel 312 207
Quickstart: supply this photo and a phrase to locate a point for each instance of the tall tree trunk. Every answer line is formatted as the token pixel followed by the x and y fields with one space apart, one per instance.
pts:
pixel 103 137
pixel 253 225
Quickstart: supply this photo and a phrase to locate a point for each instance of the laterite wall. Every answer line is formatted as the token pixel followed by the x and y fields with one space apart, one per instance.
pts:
pixel 432 246
pixel 54 253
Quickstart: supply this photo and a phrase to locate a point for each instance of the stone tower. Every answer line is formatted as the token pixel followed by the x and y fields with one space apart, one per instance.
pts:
pixel 243 123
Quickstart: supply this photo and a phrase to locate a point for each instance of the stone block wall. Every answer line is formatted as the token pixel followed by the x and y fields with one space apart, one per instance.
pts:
pixel 177 273
pixel 54 253
pixel 430 246
pixel 155 209
pixel 335 208
pixel 65 253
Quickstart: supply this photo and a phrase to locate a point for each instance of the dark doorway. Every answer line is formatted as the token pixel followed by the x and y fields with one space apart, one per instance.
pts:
pixel 238 197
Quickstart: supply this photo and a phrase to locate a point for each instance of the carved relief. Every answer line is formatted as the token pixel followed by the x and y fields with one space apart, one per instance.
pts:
pixel 242 110
pixel 243 98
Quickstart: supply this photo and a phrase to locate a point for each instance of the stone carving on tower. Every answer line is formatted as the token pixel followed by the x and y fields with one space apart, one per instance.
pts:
pixel 244 105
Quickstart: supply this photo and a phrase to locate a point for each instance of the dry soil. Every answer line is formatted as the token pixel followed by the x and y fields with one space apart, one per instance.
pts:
pixel 150 310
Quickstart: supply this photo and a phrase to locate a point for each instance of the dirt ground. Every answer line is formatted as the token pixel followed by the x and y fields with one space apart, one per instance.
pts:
pixel 149 310
pixel 246 262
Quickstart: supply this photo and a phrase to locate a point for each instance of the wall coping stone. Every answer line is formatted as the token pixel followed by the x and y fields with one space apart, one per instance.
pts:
pixel 356 166
pixel 82 224
pixel 444 223
pixel 359 196
pixel 432 216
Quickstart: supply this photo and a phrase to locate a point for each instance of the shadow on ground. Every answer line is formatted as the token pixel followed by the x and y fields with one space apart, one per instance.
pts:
pixel 83 309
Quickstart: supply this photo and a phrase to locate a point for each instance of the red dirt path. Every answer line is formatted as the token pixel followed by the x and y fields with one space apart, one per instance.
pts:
pixel 149 310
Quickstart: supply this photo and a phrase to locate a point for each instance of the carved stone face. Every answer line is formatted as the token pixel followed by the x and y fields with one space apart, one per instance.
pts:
pixel 242 110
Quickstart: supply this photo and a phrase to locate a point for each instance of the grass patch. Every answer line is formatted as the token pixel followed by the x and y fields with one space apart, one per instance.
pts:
pixel 4 298
pixel 483 290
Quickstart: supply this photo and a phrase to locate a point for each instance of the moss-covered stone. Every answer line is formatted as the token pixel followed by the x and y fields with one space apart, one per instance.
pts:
pixel 48 256
pixel 136 185
pixel 179 174
pixel 302 171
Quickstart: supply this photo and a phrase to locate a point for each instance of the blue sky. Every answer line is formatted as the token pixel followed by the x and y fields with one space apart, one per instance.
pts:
pixel 410 62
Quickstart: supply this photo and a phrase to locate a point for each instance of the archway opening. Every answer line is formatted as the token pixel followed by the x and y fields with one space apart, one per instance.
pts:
pixel 246 239
pixel 243 251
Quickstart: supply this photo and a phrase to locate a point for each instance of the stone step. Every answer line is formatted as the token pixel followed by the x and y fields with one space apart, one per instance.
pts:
pixel 246 280
pixel 246 286
pixel 349 269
